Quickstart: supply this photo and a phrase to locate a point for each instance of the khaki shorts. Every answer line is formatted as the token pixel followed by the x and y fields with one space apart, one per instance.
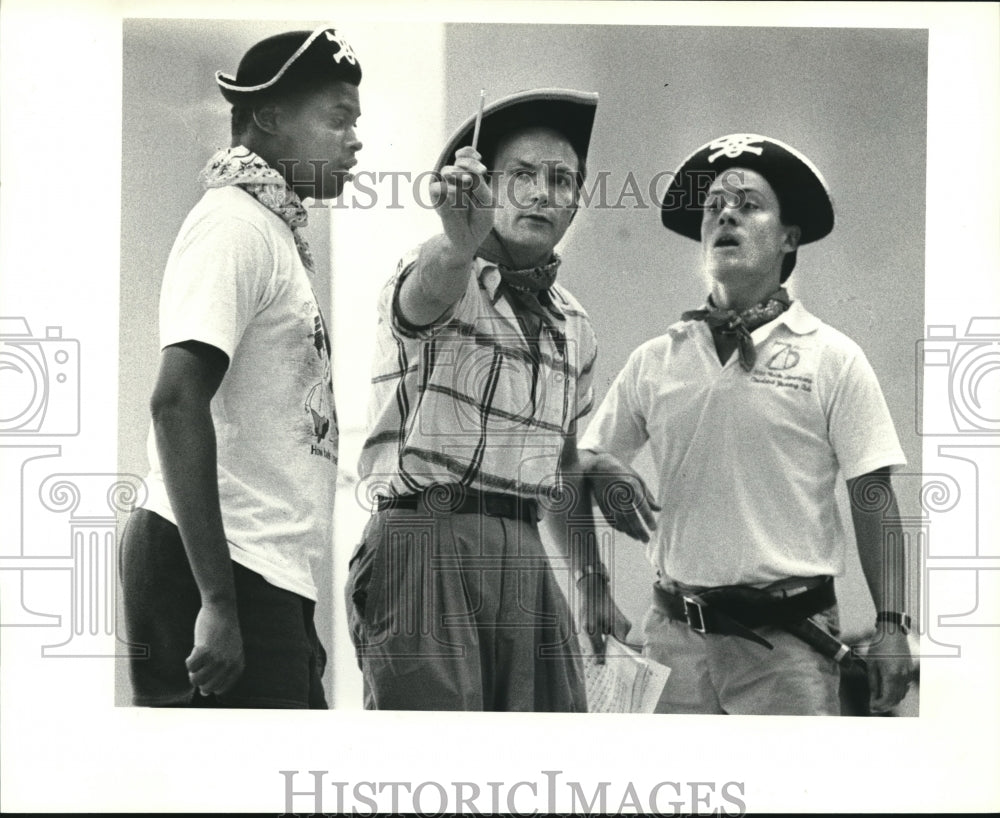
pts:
pixel 720 674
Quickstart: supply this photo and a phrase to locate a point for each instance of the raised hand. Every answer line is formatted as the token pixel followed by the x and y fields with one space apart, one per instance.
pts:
pixel 464 201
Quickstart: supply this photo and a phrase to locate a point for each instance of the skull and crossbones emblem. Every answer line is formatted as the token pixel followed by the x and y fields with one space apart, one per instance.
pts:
pixel 345 52
pixel 734 145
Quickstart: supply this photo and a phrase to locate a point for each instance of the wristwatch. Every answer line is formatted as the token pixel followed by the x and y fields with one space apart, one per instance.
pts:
pixel 589 569
pixel 900 620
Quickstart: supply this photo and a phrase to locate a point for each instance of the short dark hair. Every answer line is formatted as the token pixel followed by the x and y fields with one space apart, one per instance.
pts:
pixel 240 119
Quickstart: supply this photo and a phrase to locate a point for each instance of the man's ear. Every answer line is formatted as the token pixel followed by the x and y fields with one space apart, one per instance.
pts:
pixel 266 117
pixel 792 236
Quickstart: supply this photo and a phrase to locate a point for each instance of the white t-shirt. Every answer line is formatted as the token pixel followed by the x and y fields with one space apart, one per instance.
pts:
pixel 748 462
pixel 234 280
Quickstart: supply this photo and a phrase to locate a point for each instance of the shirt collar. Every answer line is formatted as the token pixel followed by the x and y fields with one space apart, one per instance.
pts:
pixel 798 319
pixel 489 276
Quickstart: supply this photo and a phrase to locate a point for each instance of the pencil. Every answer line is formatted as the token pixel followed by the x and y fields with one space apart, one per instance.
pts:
pixel 479 118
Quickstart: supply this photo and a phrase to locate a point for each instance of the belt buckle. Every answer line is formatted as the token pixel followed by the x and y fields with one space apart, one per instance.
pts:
pixel 691 604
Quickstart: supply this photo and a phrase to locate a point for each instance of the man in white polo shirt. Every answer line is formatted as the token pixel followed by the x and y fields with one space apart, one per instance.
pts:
pixel 754 410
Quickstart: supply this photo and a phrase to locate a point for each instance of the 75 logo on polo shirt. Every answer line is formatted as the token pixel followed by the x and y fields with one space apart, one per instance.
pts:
pixel 785 356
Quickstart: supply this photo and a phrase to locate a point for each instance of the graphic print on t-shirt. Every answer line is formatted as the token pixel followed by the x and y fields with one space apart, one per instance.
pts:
pixel 319 403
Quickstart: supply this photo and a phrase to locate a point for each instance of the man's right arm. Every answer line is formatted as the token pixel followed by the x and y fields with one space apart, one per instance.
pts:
pixel 465 206
pixel 620 492
pixel 189 376
pixel 615 434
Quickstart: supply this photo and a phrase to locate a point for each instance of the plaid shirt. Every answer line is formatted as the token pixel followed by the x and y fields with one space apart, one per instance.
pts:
pixel 465 400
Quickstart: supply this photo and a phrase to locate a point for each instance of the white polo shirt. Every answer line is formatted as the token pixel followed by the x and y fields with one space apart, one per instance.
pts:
pixel 748 462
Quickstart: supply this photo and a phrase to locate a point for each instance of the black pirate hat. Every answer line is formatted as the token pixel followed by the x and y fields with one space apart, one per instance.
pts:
pixel 803 193
pixel 290 62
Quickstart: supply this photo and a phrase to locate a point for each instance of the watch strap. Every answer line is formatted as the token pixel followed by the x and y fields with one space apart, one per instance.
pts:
pixel 900 620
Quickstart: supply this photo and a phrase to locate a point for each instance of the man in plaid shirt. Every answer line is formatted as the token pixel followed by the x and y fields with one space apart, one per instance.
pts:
pixel 482 369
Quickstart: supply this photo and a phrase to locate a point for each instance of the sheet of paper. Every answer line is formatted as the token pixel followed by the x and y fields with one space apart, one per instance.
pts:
pixel 627 682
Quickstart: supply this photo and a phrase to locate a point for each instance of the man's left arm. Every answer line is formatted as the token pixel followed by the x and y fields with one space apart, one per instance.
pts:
pixel 574 533
pixel 883 559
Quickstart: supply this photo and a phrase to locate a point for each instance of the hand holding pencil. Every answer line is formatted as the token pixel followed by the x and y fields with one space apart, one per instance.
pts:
pixel 463 197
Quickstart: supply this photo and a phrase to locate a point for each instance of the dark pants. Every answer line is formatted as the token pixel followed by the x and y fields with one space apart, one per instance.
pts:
pixel 460 612
pixel 283 655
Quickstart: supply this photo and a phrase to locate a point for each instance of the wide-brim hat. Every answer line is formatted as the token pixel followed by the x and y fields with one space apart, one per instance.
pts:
pixel 289 62
pixel 566 111
pixel 800 187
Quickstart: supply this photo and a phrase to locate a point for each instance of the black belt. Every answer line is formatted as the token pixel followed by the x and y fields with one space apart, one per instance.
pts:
pixel 735 610
pixel 456 500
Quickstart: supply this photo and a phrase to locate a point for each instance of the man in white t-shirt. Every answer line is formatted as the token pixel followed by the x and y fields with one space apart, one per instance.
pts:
pixel 754 410
pixel 218 567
